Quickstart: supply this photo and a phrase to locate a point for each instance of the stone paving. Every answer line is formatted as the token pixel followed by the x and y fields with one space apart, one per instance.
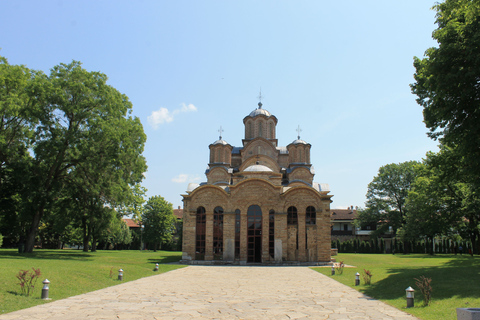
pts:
pixel 219 292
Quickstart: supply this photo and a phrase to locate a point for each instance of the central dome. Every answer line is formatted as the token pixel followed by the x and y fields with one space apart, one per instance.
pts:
pixel 258 168
pixel 258 112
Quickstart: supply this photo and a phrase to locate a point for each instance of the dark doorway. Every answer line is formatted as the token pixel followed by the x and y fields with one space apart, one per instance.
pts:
pixel 254 234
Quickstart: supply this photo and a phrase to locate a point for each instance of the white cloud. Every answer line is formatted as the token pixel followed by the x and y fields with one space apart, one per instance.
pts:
pixel 163 115
pixel 183 178
pixel 159 117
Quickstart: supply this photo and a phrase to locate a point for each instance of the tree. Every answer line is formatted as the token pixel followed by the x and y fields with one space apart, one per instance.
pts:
pixel 386 197
pixel 18 118
pixel 159 221
pixel 448 81
pixel 68 128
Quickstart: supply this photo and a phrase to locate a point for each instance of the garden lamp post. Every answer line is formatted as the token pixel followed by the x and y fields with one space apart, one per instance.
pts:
pixel 410 297
pixel 333 270
pixel 120 274
pixel 45 289
pixel 357 279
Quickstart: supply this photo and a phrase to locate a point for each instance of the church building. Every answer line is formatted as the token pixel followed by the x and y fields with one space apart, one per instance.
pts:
pixel 259 204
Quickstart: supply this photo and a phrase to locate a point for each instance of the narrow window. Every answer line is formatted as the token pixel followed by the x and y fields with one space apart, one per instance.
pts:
pixel 260 129
pixel 271 234
pixel 218 233
pixel 200 234
pixel 292 216
pixel 237 234
pixel 311 216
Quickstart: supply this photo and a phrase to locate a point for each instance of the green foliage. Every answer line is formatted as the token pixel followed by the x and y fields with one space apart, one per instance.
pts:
pixel 70 152
pixel 1 240
pixel 28 279
pixel 159 221
pixel 447 79
pixel 386 197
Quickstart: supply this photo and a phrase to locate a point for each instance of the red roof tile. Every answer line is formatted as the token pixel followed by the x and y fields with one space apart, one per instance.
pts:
pixel 131 223
pixel 343 214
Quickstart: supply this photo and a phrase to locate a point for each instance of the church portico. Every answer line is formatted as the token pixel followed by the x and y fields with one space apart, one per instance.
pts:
pixel 259 205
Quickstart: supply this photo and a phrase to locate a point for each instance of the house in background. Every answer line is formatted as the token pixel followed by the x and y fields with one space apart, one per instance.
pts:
pixel 343 227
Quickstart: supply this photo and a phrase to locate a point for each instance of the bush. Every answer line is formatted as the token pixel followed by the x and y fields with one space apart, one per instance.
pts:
pixel 339 267
pixel 367 277
pixel 1 240
pixel 28 279
pixel 425 286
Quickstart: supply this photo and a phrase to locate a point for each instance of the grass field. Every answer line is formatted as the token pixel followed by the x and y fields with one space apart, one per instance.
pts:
pixel 455 280
pixel 73 272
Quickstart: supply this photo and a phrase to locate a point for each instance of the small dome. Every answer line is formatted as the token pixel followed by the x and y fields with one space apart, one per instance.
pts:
pixel 260 111
pixel 298 141
pixel 220 141
pixel 258 168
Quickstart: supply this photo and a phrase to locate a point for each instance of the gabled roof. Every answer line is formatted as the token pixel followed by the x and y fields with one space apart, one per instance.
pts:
pixel 131 223
pixel 178 213
pixel 343 214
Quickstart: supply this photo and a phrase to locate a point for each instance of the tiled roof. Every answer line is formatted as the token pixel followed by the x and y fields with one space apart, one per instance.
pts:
pixel 178 213
pixel 131 223
pixel 343 214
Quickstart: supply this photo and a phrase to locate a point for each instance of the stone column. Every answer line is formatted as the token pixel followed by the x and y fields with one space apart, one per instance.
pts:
pixel 301 237
pixel 281 235
pixel 189 233
pixel 229 236
pixel 243 237
pixel 209 236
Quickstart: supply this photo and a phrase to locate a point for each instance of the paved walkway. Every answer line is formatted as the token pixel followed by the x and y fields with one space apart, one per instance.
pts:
pixel 224 292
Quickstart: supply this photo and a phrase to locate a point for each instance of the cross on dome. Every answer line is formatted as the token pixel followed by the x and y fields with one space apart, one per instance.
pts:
pixel 260 98
pixel 298 131
pixel 220 130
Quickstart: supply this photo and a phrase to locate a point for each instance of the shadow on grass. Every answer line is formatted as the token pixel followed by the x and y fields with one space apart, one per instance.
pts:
pixel 46 255
pixel 457 277
pixel 165 259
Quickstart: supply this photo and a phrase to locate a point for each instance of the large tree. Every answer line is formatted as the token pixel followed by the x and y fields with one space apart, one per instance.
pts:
pixel 159 221
pixel 18 118
pixel 78 138
pixel 442 201
pixel 448 80
pixel 387 195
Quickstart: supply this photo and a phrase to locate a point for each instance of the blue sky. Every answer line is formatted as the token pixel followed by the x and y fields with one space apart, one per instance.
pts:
pixel 338 69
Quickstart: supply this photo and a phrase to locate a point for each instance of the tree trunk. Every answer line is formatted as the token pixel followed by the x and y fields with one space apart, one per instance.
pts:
pixel 86 234
pixel 32 233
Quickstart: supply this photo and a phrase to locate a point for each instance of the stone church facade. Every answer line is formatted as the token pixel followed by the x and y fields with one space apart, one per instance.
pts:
pixel 259 204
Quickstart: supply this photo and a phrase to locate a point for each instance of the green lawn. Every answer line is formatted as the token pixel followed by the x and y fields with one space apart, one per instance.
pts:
pixel 73 272
pixel 455 280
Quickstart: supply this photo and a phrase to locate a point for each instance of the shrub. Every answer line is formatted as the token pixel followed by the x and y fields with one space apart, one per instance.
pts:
pixel 1 240
pixel 339 267
pixel 28 279
pixel 367 277
pixel 425 286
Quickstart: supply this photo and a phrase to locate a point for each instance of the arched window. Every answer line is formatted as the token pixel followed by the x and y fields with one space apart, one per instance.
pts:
pixel 272 130
pixel 200 232
pixel 218 233
pixel 260 129
pixel 292 216
pixel 311 216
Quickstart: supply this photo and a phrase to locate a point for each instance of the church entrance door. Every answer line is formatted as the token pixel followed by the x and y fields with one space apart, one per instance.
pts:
pixel 254 234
